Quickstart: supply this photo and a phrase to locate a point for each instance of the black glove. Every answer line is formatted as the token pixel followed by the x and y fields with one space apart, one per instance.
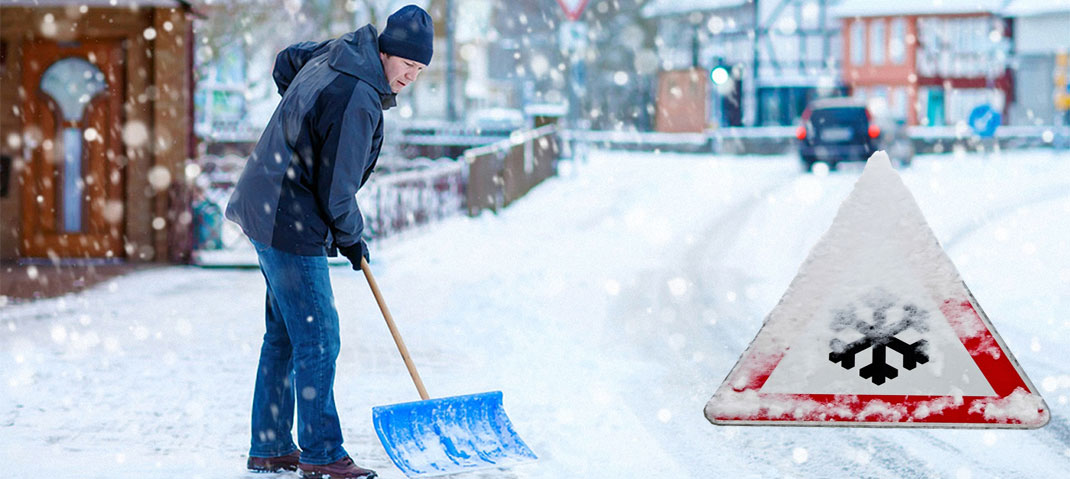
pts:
pixel 355 252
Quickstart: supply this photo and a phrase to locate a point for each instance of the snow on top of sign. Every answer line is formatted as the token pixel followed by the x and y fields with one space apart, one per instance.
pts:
pixel 1020 405
pixel 938 405
pixel 966 323
pixel 875 231
pixel 801 408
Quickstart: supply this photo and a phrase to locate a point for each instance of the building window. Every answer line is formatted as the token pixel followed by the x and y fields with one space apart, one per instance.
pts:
pixel 876 42
pixel 858 42
pixel 877 101
pixel 898 107
pixel 897 41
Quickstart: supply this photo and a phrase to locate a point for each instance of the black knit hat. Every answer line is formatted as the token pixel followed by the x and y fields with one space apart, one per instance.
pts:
pixel 410 34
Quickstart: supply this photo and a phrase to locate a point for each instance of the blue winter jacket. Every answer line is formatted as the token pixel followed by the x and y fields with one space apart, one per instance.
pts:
pixel 297 192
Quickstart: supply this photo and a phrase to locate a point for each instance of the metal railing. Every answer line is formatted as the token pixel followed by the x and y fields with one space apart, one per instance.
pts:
pixel 491 176
pixel 399 201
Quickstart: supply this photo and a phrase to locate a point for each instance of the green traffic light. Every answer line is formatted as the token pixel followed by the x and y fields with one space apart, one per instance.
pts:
pixel 719 75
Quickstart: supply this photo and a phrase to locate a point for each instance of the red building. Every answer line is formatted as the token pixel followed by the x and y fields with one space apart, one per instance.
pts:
pixel 927 63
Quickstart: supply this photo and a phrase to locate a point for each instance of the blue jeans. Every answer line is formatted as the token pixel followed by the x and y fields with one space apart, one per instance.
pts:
pixel 297 360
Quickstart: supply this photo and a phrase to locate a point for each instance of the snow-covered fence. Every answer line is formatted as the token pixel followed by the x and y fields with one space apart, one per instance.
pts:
pixel 391 201
pixel 636 140
pixel 501 172
pixel 394 202
pixel 403 194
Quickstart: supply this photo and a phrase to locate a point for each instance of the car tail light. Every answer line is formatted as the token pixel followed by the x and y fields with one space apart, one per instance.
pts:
pixel 800 132
pixel 874 131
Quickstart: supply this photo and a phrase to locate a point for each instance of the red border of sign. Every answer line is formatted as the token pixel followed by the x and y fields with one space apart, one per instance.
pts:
pixel 573 15
pixel 1001 371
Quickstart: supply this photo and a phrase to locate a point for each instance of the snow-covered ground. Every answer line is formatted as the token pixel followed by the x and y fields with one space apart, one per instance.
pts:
pixel 608 305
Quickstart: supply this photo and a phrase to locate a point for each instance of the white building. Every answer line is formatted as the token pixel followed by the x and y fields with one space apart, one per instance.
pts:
pixel 1041 49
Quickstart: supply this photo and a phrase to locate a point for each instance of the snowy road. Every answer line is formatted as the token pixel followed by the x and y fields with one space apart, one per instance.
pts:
pixel 608 305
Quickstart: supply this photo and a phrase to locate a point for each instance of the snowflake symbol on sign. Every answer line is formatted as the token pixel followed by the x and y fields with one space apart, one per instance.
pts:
pixel 880 335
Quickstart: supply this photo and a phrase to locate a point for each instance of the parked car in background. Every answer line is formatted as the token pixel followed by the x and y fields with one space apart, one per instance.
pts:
pixel 837 130
pixel 497 119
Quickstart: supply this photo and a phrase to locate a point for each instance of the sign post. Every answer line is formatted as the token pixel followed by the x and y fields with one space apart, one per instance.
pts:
pixel 573 39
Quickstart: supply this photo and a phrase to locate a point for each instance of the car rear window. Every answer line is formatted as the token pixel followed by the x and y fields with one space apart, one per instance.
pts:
pixel 838 116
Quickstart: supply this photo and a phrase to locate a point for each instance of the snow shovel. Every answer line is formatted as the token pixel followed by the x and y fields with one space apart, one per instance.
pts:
pixel 449 435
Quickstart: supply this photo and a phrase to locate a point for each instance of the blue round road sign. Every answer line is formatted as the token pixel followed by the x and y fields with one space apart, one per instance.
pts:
pixel 984 120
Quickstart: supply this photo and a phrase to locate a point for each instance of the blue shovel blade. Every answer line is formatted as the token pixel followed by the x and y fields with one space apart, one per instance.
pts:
pixel 449 435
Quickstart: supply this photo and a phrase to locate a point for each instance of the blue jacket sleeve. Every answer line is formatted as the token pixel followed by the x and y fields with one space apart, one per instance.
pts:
pixel 346 128
pixel 289 61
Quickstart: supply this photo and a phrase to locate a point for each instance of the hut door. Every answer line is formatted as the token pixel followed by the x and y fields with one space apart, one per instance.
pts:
pixel 72 205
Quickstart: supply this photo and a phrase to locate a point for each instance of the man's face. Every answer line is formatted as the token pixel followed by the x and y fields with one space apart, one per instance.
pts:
pixel 400 72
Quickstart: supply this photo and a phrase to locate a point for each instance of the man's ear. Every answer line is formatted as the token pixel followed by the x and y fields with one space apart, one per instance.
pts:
pixel 383 56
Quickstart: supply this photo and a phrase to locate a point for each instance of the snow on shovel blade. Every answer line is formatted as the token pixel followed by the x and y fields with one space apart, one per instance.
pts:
pixel 449 435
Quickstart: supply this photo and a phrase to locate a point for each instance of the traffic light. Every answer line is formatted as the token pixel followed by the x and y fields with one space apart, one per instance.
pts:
pixel 726 82
pixel 720 75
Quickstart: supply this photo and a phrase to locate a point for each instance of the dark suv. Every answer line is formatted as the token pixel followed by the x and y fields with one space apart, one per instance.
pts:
pixel 835 130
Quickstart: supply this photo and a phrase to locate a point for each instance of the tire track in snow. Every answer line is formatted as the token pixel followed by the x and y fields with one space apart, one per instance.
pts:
pixel 659 322
pixel 1059 427
pixel 1005 211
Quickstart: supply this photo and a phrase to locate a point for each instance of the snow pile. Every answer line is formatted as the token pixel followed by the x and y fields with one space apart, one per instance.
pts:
pixel 937 406
pixel 1020 406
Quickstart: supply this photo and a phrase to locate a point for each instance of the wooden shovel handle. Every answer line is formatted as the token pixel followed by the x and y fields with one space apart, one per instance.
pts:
pixel 393 329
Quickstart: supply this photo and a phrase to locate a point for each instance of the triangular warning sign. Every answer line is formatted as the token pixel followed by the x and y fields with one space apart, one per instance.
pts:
pixel 573 8
pixel 878 329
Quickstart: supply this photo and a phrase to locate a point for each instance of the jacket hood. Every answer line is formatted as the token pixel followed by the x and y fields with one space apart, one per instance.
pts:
pixel 357 54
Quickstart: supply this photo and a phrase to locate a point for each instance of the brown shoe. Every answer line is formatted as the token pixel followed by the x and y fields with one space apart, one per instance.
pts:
pixel 343 469
pixel 274 464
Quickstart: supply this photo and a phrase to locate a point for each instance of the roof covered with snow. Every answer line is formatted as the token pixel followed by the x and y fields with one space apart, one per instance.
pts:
pixel 869 8
pixel 1029 8
pixel 659 8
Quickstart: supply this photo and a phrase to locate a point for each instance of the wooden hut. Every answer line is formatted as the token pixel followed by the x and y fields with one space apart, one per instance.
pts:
pixel 96 114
